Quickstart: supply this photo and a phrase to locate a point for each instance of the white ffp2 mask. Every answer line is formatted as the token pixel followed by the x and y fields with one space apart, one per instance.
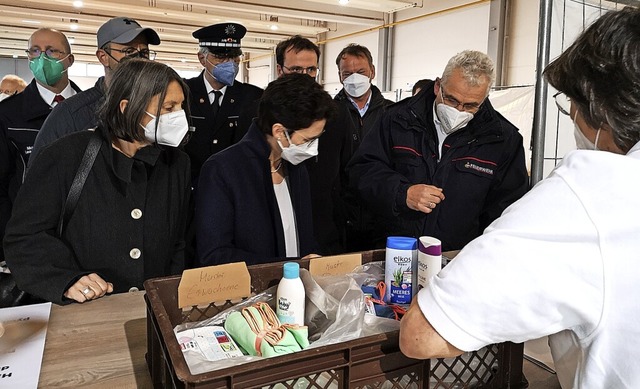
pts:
pixel 582 142
pixel 172 127
pixel 451 119
pixel 298 153
pixel 356 85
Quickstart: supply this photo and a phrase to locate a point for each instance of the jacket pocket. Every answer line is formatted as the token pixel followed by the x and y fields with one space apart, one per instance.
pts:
pixel 409 162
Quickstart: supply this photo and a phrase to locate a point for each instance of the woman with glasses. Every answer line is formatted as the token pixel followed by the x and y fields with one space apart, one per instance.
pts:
pixel 253 202
pixel 128 222
pixel 562 261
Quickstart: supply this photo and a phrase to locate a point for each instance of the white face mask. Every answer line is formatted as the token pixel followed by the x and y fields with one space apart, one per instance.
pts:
pixel 451 119
pixel 298 153
pixel 4 96
pixel 356 84
pixel 582 142
pixel 172 127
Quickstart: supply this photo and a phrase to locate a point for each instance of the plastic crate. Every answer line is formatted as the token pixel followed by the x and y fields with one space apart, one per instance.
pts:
pixel 369 362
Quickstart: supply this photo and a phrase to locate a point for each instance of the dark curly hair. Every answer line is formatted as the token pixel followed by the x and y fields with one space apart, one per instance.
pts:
pixel 294 100
pixel 600 73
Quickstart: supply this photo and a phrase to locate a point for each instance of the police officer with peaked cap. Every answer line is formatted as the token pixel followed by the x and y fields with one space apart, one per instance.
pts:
pixel 217 100
pixel 217 120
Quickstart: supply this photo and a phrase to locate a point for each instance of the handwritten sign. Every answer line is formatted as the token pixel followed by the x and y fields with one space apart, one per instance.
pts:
pixel 205 285
pixel 334 265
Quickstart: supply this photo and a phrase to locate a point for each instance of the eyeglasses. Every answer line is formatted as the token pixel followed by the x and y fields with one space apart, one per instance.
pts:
pixel 453 102
pixel 563 102
pixel 226 58
pixel 307 141
pixel 311 70
pixel 35 52
pixel 133 52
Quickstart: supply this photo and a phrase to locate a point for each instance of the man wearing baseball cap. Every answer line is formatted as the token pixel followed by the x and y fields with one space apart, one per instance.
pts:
pixel 218 101
pixel 118 38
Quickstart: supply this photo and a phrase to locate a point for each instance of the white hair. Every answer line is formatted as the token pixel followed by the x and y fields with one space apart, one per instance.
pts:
pixel 476 68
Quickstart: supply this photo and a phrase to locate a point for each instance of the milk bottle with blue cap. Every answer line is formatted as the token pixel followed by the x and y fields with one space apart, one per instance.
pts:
pixel 401 269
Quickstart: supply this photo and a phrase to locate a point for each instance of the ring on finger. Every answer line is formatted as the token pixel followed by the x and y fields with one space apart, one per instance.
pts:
pixel 432 205
pixel 85 291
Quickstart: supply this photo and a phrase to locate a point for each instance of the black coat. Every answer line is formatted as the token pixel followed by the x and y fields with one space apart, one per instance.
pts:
pixel 333 206
pixel 77 113
pixel 237 214
pixel 215 134
pixel 482 171
pixel 21 117
pixel 104 232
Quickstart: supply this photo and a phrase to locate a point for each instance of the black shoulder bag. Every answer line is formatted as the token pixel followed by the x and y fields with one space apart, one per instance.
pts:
pixel 10 294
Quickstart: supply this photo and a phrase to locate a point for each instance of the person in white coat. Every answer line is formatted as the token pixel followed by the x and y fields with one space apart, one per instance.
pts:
pixel 562 261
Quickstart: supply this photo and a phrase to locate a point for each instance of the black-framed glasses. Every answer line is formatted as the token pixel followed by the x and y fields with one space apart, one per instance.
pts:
pixel 453 102
pixel 563 102
pixel 35 52
pixel 311 70
pixel 133 52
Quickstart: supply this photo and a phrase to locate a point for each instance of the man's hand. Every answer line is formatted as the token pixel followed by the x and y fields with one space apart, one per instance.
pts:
pixel 424 198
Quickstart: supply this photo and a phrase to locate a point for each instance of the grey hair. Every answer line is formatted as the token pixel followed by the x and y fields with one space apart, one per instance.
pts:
pixel 476 68
pixel 203 50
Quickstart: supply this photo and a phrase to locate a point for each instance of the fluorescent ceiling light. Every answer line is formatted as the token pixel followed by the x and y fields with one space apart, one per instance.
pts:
pixel 78 4
pixel 343 2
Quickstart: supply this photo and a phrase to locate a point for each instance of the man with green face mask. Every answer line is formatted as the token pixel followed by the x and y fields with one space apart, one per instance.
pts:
pixel 21 116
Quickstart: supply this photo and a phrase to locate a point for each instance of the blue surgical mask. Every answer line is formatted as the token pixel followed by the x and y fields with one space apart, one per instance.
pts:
pixel 225 72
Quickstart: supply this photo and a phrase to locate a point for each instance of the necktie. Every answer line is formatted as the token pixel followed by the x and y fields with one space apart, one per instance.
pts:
pixel 215 106
pixel 58 98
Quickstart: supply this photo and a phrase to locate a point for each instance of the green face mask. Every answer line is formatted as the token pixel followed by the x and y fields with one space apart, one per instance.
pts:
pixel 47 70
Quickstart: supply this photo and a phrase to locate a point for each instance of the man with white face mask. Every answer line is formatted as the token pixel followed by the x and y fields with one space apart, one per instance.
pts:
pixel 360 105
pixel 443 163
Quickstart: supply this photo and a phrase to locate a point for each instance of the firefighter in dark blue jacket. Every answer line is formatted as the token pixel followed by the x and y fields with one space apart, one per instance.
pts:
pixel 443 163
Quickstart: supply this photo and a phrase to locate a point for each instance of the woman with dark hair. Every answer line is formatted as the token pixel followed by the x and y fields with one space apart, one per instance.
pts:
pixel 128 223
pixel 563 260
pixel 253 202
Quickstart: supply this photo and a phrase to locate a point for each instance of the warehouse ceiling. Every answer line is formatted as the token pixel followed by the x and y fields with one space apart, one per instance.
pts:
pixel 267 22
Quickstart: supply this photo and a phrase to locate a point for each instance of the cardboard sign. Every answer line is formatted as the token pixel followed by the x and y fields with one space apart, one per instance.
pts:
pixel 334 265
pixel 205 285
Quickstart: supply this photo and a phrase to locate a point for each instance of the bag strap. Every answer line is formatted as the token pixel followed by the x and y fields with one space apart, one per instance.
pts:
pixel 89 157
